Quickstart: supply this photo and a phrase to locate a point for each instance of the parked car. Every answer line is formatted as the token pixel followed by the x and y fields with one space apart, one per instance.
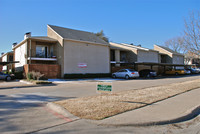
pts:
pixel 187 71
pixel 197 70
pixel 4 76
pixel 193 71
pixel 126 73
pixel 147 73
pixel 176 71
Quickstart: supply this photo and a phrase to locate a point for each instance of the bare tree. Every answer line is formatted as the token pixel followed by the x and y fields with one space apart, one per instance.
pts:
pixel 177 44
pixel 188 57
pixel 102 36
pixel 192 33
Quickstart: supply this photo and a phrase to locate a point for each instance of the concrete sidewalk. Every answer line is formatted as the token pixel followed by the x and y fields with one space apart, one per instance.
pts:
pixel 172 110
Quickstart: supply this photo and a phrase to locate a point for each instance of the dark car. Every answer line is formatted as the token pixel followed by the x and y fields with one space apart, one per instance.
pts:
pixel 4 76
pixel 147 73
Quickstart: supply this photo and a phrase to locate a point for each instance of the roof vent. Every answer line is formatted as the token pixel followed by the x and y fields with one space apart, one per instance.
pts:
pixel 27 35
pixel 139 45
pixel 14 44
pixel 2 53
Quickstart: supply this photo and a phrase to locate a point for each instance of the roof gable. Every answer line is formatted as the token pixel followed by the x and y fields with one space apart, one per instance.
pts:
pixel 72 34
pixel 169 50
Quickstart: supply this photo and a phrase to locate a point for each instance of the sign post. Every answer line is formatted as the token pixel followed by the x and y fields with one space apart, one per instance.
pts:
pixel 104 87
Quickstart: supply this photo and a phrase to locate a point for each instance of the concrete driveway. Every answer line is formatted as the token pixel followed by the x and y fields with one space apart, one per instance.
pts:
pixel 22 108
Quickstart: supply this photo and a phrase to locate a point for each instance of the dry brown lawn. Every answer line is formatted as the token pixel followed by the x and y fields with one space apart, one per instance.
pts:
pixel 106 105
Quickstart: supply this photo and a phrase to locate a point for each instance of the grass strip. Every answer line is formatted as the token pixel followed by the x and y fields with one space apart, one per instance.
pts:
pixel 102 106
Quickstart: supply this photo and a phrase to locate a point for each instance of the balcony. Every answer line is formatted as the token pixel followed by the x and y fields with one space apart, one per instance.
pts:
pixel 42 54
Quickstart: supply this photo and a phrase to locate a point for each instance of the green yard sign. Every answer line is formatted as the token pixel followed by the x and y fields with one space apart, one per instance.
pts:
pixel 104 87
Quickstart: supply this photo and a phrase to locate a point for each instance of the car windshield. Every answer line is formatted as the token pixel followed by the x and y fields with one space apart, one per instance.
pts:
pixel 151 70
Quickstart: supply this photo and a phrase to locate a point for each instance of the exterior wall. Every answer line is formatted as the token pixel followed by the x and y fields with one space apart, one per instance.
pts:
pixel 20 54
pixel 59 50
pixel 1 66
pixel 117 55
pixel 162 51
pixel 96 57
pixel 5 59
pixel 147 56
pixel 142 67
pixel 168 59
pixel 33 48
pixel 178 59
pixel 49 71
pixel 115 69
pixel 131 56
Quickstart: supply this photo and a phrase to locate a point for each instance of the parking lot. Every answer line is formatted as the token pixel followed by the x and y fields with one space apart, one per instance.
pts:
pixel 22 108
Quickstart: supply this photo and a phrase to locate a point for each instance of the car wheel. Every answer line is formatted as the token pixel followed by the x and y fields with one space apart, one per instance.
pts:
pixel 148 75
pixel 114 76
pixel 126 77
pixel 176 73
pixel 8 78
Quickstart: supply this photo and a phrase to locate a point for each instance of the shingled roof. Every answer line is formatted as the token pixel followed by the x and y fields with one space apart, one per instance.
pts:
pixel 67 33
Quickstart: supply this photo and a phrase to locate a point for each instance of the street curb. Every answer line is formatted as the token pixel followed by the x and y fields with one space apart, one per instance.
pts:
pixel 61 111
pixel 26 82
pixel 188 115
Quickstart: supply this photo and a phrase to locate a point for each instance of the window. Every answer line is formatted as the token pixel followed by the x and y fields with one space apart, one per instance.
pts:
pixel 10 58
pixel 112 55
pixel 122 70
pixel 41 51
pixel 51 51
pixel 123 56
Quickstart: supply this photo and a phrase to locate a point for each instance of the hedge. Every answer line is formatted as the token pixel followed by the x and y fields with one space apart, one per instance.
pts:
pixel 88 75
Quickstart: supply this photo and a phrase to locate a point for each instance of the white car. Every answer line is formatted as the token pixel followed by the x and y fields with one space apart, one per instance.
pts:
pixel 126 73
pixel 187 71
pixel 197 70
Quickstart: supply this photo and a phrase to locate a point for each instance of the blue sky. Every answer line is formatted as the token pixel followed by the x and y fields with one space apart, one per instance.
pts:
pixel 144 22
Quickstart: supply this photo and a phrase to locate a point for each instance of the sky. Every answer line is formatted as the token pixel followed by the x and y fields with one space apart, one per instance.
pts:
pixel 145 22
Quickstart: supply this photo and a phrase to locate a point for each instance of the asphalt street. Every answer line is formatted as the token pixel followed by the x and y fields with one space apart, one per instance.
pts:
pixel 23 109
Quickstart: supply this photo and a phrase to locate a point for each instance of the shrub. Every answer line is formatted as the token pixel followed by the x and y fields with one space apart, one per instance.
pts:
pixel 75 76
pixel 34 75
pixel 29 76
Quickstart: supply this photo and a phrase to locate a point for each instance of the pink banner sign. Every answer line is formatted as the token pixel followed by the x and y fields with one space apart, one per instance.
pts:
pixel 82 65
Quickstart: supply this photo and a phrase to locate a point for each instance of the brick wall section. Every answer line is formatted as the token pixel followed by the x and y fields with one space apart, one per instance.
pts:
pixel 1 68
pixel 49 70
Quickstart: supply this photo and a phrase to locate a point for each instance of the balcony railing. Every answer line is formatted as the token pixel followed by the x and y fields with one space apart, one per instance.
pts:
pixel 42 59
pixel 41 56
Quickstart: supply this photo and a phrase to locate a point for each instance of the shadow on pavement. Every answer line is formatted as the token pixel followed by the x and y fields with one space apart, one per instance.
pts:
pixel 12 108
pixel 24 86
